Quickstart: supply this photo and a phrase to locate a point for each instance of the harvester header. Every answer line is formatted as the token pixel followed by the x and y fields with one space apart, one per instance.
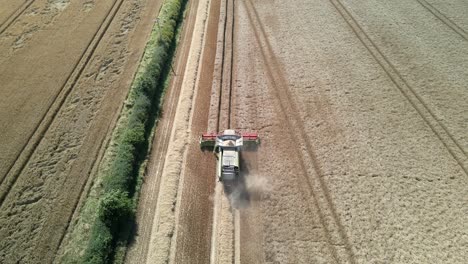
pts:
pixel 211 139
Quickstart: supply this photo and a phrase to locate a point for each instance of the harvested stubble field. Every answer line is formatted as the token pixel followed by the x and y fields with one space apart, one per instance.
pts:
pixel 362 109
pixel 65 70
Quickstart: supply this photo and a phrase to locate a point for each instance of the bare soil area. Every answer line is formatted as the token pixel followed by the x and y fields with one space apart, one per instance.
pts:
pixel 362 110
pixel 65 69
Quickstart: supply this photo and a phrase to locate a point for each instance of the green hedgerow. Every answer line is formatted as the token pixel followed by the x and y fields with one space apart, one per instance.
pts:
pixel 116 208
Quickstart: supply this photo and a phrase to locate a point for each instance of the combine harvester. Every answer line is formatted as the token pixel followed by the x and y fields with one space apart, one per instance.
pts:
pixel 227 146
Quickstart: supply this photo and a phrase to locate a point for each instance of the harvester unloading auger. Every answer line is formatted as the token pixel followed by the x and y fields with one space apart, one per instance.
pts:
pixel 227 146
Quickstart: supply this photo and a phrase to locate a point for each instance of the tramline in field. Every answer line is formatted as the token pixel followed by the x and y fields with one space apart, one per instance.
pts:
pixel 227 146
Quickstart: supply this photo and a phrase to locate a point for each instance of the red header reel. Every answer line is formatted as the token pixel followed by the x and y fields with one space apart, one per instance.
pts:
pixel 208 139
pixel 250 136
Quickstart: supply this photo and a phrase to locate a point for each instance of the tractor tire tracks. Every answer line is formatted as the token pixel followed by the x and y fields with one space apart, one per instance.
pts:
pixel 444 19
pixel 38 133
pixel 440 130
pixel 225 242
pixel 14 16
pixel 317 187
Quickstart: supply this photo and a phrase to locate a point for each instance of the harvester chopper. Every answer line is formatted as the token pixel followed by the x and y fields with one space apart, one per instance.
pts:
pixel 227 146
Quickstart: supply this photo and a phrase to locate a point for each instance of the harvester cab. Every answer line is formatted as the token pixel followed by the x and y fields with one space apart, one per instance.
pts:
pixel 227 146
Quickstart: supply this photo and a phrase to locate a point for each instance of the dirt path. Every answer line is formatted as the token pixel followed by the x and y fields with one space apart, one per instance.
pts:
pixel 61 95
pixel 138 250
pixel 362 112
pixel 156 241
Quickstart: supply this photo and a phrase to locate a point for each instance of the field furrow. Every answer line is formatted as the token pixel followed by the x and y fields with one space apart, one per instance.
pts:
pixel 63 93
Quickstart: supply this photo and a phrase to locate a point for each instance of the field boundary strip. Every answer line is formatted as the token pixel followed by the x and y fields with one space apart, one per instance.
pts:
pixel 162 134
pixel 23 157
pixel 288 109
pixel 438 128
pixel 114 222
